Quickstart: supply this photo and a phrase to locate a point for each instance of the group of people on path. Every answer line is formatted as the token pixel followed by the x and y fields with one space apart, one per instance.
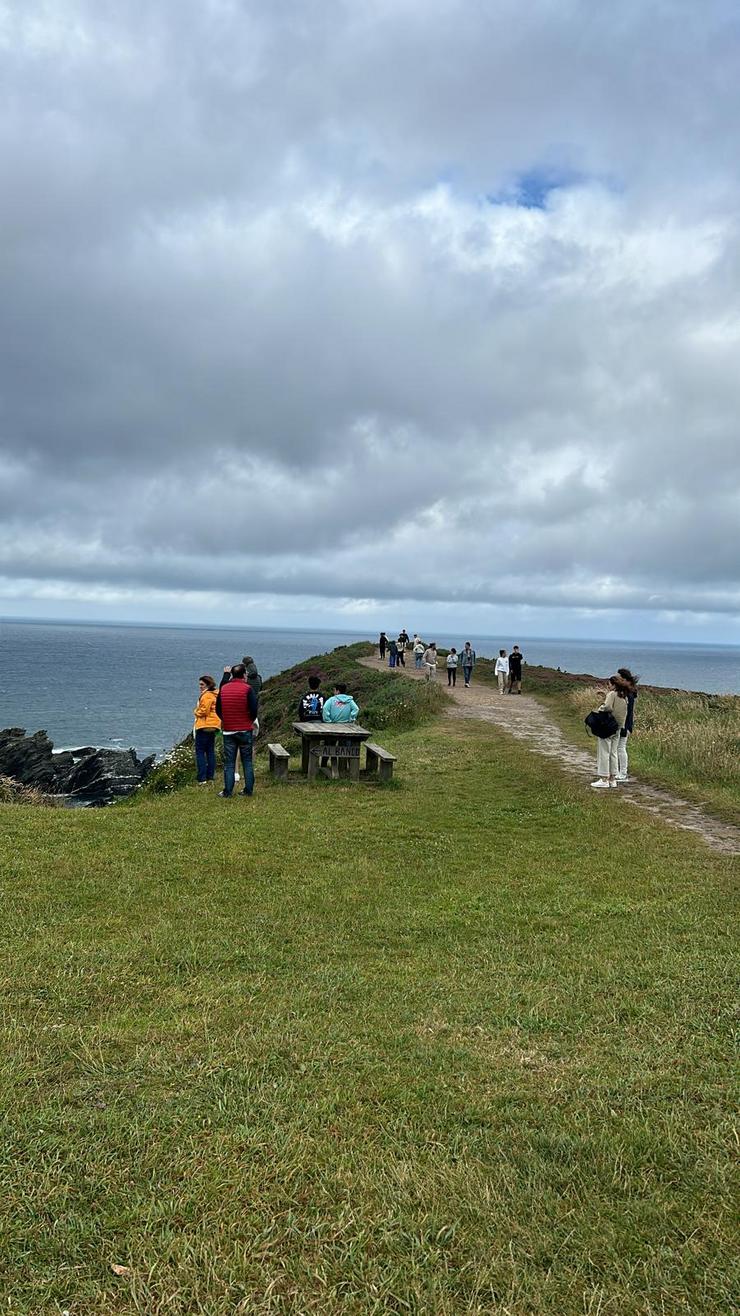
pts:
pixel 233 710
pixel 508 668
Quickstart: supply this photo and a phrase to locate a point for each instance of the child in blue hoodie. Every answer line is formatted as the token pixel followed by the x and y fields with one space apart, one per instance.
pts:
pixel 341 707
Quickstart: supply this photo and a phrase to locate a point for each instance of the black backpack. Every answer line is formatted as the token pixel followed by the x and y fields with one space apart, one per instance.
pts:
pixel 602 724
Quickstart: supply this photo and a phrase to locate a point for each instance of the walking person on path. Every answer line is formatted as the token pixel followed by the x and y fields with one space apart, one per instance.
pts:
pixel 418 653
pixel 502 671
pixel 607 747
pixel 237 707
pixel 382 645
pixel 392 653
pixel 430 661
pixel 207 723
pixel 401 649
pixel 629 723
pixel 452 667
pixel 467 658
pixel 515 671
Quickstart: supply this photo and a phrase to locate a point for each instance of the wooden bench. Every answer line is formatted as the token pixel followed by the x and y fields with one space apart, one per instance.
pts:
pixel 379 761
pixel 279 760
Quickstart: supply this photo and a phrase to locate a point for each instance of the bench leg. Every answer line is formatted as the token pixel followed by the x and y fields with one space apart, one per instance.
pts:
pixel 280 769
pixel 354 768
pixel 312 766
pixel 385 771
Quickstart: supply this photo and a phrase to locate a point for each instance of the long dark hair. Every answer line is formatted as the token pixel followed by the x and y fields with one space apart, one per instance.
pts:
pixel 622 687
pixel 627 676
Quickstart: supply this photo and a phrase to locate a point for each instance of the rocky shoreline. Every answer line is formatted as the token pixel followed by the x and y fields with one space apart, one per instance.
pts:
pixel 84 776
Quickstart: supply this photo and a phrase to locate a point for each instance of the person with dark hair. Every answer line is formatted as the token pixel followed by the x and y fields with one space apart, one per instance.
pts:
pixel 311 706
pixel 502 671
pixel 467 658
pixel 237 707
pixel 401 649
pixel 341 707
pixel 515 671
pixel 615 702
pixel 382 645
pixel 253 676
pixel 207 723
pixel 629 723
pixel 452 667
pixel 392 653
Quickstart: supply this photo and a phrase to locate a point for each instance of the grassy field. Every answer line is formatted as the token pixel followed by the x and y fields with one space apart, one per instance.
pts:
pixel 458 1046
pixel 687 742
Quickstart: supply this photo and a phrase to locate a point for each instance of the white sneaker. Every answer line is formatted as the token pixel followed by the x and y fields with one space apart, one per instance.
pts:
pixel 628 779
pixel 614 784
pixel 600 785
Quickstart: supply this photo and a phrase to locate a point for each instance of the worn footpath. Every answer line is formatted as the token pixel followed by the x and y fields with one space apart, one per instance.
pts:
pixel 524 718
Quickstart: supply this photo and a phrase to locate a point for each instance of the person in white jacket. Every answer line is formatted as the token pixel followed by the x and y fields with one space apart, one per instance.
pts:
pixel 502 671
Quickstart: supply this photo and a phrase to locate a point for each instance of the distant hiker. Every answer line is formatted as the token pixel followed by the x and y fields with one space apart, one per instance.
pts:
pixel 311 706
pixel 629 723
pixel 392 653
pixel 237 707
pixel 607 747
pixel 401 649
pixel 467 660
pixel 207 723
pixel 418 652
pixel 502 671
pixel 430 661
pixel 341 707
pixel 253 676
pixel 515 671
pixel 382 645
pixel 452 667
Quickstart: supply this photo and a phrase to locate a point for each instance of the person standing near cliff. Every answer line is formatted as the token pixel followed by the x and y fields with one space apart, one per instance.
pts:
pixel 629 723
pixel 382 645
pixel 502 671
pixel 207 723
pixel 430 661
pixel 237 707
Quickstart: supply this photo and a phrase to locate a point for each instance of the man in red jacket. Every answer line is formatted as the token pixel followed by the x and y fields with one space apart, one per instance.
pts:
pixel 236 705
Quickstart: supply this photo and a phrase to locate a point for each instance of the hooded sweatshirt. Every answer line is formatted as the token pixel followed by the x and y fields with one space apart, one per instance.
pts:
pixel 340 708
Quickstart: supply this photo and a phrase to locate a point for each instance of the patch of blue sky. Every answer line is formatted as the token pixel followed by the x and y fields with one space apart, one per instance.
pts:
pixel 532 188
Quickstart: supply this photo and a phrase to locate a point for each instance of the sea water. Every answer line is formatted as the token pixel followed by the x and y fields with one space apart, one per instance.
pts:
pixel 122 685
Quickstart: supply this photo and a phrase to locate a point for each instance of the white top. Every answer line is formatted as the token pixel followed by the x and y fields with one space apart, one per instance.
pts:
pixel 452 660
pixel 502 665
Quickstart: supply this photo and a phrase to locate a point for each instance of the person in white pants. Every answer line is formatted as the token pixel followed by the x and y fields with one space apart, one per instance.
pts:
pixel 502 671
pixel 430 662
pixel 627 729
pixel 607 747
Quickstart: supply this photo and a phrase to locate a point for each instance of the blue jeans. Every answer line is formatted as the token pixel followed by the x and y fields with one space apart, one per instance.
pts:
pixel 241 741
pixel 205 754
pixel 467 673
pixel 418 659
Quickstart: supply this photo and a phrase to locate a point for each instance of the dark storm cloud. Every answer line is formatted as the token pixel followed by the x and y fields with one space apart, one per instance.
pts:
pixel 374 292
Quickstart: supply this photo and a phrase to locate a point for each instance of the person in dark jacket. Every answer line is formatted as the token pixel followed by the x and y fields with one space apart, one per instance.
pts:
pixel 311 706
pixel 515 671
pixel 237 706
pixel 253 676
pixel 382 645
pixel 627 729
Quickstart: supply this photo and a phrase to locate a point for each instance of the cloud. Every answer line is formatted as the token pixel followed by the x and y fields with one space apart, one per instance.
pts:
pixel 416 301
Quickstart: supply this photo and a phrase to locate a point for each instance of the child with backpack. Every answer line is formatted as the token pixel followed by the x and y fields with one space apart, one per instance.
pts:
pixel 311 706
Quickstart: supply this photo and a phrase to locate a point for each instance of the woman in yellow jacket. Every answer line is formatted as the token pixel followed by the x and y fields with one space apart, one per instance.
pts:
pixel 207 723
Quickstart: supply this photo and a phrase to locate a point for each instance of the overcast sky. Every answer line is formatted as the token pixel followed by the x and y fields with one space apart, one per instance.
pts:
pixel 408 311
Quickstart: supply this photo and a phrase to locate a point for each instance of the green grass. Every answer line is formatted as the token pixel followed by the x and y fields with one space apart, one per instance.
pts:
pixel 459 1047
pixel 687 742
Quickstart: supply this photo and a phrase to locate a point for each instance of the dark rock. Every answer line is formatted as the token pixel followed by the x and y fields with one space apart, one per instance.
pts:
pixel 88 775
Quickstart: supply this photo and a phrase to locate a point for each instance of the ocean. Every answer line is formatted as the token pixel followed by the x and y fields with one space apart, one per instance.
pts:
pixel 122 685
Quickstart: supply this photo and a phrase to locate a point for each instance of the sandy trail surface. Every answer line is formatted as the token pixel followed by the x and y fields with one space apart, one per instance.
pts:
pixel 526 719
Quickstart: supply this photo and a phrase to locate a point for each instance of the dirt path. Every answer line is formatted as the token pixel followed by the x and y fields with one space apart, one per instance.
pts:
pixel 526 719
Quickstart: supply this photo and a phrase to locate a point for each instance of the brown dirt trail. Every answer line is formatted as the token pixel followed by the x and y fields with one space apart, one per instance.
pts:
pixel 525 719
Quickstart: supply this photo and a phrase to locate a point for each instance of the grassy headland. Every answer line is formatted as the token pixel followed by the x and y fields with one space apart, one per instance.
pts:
pixel 686 741
pixel 460 1047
